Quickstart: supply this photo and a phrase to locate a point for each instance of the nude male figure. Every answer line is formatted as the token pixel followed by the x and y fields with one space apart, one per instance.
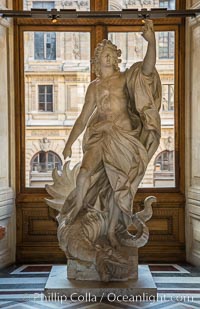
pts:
pixel 108 95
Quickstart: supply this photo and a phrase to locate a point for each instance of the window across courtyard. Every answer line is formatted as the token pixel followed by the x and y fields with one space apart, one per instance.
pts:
pixel 45 98
pixel 45 46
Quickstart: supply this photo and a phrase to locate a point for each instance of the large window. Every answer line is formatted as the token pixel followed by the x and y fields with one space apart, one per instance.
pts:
pixel 45 45
pixel 57 71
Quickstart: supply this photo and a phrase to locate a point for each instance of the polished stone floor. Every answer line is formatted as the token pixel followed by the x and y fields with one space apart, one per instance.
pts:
pixel 22 287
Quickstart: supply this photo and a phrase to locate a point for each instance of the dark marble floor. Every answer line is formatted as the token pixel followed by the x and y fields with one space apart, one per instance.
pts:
pixel 22 287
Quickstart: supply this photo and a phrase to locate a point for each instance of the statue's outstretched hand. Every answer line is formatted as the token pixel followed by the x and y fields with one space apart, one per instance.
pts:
pixel 147 31
pixel 67 152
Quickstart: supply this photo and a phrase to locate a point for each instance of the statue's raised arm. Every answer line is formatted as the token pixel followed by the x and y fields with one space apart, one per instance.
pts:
pixel 150 59
pixel 144 87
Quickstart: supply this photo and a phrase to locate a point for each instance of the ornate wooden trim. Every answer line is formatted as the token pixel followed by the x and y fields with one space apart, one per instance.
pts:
pixel 95 22
pixel 99 5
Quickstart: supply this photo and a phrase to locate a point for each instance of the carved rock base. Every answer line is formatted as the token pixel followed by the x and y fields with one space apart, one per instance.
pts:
pixel 58 286
pixel 80 270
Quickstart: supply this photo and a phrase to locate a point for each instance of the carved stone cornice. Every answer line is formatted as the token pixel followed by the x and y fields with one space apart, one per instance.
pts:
pixel 194 6
pixel 4 21
pixel 193 21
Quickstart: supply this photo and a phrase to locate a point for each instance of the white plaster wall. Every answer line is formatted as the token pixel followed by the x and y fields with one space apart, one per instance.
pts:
pixel 7 207
pixel 193 137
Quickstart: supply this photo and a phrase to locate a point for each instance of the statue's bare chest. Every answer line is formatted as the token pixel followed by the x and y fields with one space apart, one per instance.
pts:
pixel 108 91
pixel 110 85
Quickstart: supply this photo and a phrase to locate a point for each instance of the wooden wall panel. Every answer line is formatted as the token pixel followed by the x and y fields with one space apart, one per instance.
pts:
pixel 37 239
pixel 37 235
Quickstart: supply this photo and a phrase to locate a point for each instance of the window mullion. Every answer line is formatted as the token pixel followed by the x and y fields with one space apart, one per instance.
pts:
pixel 99 5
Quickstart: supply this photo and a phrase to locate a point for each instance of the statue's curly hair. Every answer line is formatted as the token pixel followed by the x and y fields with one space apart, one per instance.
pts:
pixel 97 54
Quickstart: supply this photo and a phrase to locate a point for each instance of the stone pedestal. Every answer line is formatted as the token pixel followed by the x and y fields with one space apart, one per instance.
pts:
pixel 142 289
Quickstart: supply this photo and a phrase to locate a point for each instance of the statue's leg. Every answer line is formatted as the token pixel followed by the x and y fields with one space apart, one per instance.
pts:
pixel 90 162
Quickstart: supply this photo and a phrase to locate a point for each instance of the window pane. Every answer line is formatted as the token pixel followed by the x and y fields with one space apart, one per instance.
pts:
pixel 166 45
pixel 45 45
pixel 167 97
pixel 49 89
pixel 42 107
pixel 43 4
pixel 49 98
pixel 39 45
pixel 133 48
pixel 54 96
pixel 50 157
pixel 164 169
pixel 118 5
pixel 41 98
pixel 79 5
pixel 51 46
pixel 49 107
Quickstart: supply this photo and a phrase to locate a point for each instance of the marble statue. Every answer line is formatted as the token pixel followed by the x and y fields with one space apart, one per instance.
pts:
pixel 121 120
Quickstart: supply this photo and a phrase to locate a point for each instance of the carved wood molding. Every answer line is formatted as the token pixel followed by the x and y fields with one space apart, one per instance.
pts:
pixel 94 22
pixel 99 5
pixel 35 217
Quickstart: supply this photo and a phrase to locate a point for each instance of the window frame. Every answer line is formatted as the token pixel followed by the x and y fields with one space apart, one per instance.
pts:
pixel 98 32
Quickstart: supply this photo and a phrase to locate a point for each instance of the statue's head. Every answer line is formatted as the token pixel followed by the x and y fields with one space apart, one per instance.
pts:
pixel 99 50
